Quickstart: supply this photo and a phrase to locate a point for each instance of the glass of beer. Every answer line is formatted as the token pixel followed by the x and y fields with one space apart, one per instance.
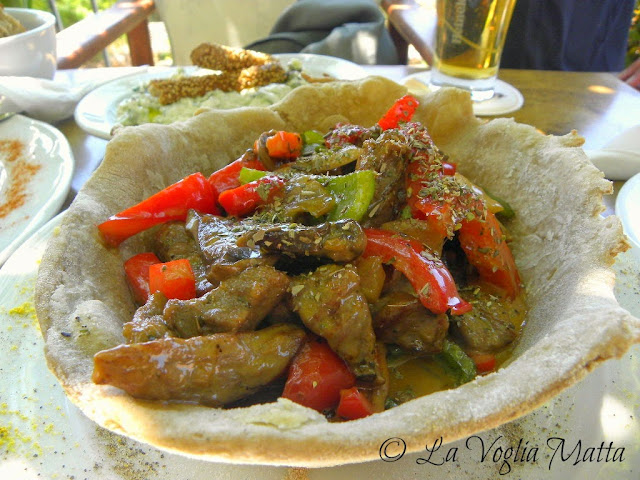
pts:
pixel 470 36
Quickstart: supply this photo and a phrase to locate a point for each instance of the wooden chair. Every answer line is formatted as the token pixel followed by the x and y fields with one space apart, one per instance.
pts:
pixel 82 41
pixel 235 23
pixel 411 23
pixel 190 22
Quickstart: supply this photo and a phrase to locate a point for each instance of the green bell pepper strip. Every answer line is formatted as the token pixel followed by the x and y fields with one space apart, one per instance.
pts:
pixel 507 211
pixel 312 141
pixel 461 365
pixel 353 193
pixel 248 175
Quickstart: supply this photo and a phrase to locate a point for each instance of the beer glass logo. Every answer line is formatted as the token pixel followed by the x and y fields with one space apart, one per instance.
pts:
pixel 459 10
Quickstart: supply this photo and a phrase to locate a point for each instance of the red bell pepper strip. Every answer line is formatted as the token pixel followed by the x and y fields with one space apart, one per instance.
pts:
pixel 430 278
pixel 401 111
pixel 175 279
pixel 426 199
pixel 172 203
pixel 316 377
pixel 484 245
pixel 228 177
pixel 136 270
pixel 485 362
pixel 246 198
pixel 439 217
pixel 353 404
pixel 449 168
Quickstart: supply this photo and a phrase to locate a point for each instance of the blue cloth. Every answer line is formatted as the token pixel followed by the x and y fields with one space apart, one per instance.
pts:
pixel 351 29
pixel 574 35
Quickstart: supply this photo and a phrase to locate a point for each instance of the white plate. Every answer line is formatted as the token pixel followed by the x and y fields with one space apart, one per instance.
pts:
pixel 41 176
pixel 96 113
pixel 45 437
pixel 323 65
pixel 628 209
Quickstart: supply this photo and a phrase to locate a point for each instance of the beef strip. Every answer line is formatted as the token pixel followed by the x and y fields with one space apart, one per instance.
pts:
pixel 330 304
pixel 283 313
pixel 325 161
pixel 211 370
pixel 304 198
pixel 238 304
pixel 377 394
pixel 418 230
pixel 388 156
pixel 217 239
pixel 350 134
pixel 372 277
pixel 173 242
pixel 488 327
pixel 340 241
pixel 147 323
pixel 399 318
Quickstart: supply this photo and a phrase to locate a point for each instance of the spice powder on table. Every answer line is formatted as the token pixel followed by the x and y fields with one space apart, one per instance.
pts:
pixel 20 173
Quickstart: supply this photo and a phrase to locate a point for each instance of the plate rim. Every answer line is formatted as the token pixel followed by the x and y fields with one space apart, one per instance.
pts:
pixel 100 126
pixel 43 212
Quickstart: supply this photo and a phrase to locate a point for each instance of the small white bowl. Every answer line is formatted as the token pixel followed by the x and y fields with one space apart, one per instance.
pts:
pixel 628 209
pixel 31 53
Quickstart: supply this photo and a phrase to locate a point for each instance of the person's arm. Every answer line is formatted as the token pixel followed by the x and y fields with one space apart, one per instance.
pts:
pixel 631 74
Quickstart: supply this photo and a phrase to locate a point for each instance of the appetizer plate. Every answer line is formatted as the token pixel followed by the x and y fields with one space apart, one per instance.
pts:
pixel 324 65
pixel 96 113
pixel 44 436
pixel 36 165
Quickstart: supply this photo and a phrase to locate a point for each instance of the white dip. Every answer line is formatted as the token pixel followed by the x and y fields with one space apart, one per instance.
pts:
pixel 142 107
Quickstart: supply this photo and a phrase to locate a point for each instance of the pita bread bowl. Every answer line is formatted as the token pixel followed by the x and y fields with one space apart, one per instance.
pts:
pixel 562 246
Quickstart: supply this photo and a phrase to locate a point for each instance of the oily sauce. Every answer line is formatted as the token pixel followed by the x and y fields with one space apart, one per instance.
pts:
pixel 414 377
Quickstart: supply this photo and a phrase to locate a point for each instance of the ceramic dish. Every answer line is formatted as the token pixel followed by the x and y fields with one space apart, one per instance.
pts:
pixel 31 53
pixel 36 165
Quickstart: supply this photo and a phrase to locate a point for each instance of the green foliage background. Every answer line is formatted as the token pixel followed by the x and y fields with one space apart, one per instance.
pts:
pixel 633 51
pixel 71 11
